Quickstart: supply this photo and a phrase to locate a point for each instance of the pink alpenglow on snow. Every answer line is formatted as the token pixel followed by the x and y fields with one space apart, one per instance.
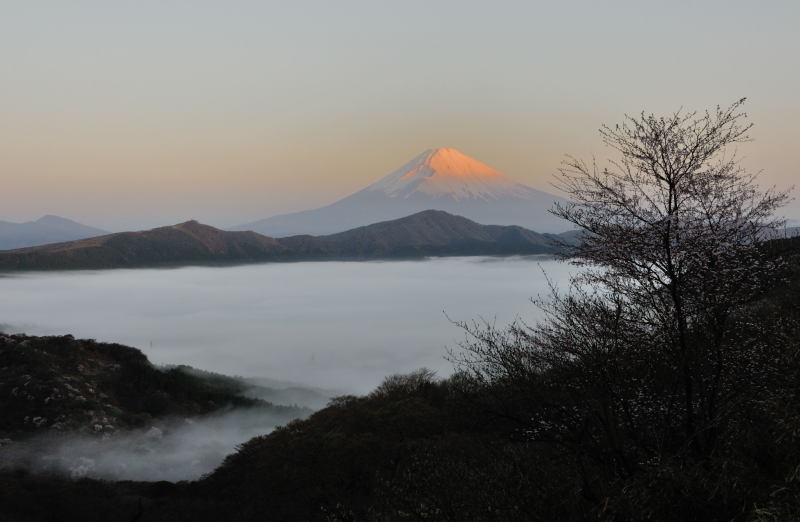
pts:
pixel 447 172
pixel 438 179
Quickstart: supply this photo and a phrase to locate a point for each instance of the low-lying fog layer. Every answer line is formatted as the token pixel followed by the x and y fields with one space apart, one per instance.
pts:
pixel 329 327
pixel 334 325
pixel 173 449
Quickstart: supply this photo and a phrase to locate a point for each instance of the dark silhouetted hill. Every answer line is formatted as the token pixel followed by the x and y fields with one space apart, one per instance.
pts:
pixel 427 233
pixel 186 243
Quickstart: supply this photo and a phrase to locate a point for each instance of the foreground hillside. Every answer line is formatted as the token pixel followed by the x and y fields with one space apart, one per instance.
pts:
pixel 524 447
pixel 60 384
pixel 428 233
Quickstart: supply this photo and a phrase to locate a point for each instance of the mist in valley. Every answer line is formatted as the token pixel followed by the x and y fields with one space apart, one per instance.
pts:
pixel 339 326
pixel 298 334
pixel 171 449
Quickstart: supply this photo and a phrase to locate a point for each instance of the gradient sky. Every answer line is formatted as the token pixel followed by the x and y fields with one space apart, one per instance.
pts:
pixel 141 113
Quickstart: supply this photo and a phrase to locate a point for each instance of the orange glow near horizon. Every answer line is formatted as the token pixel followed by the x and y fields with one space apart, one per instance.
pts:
pixel 131 116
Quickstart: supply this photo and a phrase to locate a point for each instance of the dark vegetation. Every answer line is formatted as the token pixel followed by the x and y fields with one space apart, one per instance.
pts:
pixel 428 233
pixel 664 386
pixel 62 384
pixel 523 446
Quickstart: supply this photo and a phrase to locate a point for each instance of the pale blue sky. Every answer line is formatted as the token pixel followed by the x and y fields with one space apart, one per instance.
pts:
pixel 126 114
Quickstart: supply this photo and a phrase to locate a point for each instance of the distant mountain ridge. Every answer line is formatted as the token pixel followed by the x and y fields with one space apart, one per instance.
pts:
pixel 441 179
pixel 46 229
pixel 189 242
pixel 427 233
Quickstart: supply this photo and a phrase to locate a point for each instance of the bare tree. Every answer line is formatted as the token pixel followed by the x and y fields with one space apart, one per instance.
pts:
pixel 652 360
pixel 672 227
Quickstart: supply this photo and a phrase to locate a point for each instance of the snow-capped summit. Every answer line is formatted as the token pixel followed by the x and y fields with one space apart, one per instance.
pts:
pixel 439 179
pixel 447 173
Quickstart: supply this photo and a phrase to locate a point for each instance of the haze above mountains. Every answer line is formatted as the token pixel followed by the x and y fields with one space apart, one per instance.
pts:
pixel 47 229
pixel 463 189
pixel 439 179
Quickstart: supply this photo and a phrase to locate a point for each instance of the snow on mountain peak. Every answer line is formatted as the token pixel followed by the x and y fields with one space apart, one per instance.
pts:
pixel 445 172
pixel 439 179
pixel 454 163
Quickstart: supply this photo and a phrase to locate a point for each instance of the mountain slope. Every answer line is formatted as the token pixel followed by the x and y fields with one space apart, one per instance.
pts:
pixel 47 229
pixel 431 232
pixel 189 242
pixel 428 233
pixel 442 179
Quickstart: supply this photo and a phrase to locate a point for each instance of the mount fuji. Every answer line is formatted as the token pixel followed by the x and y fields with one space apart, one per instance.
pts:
pixel 440 179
